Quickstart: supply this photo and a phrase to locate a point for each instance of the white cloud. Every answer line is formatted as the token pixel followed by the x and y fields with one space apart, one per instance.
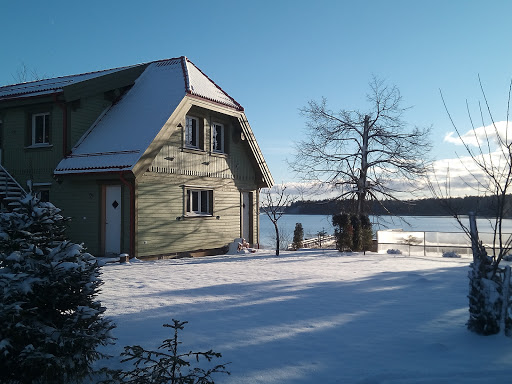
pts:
pixel 465 177
pixel 482 135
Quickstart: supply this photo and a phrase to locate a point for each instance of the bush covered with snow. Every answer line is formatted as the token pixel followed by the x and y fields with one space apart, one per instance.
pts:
pixel 451 254
pixel 394 252
pixel 50 321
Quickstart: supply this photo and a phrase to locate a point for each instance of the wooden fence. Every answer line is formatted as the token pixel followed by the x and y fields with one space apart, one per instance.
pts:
pixel 317 242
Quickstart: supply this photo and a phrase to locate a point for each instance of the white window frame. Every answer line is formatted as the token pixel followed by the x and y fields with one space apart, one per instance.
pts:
pixel 46 129
pixel 198 202
pixel 222 130
pixel 190 130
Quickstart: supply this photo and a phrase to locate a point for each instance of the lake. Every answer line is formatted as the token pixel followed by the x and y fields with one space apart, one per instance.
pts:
pixel 313 224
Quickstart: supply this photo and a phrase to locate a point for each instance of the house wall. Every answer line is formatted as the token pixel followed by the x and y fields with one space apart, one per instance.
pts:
pixel 81 198
pixel 23 162
pixel 235 164
pixel 83 114
pixel 162 226
pixel 37 163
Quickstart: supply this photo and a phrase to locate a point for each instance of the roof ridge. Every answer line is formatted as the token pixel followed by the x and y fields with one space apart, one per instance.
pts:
pixel 68 76
pixel 186 75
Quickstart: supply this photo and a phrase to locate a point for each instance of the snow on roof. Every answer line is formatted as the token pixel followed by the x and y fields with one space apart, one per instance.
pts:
pixel 201 85
pixel 119 137
pixel 196 83
pixel 49 86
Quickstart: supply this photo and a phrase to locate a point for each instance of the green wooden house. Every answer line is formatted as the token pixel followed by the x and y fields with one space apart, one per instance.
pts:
pixel 152 160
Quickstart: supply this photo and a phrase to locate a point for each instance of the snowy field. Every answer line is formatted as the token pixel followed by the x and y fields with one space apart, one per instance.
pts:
pixel 311 316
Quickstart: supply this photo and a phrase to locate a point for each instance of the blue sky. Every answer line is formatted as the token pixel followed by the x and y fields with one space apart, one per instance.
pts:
pixel 274 56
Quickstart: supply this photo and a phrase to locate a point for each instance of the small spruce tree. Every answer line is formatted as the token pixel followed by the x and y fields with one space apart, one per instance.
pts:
pixel 366 233
pixel 298 236
pixel 357 241
pixel 343 232
pixel 167 365
pixel 50 321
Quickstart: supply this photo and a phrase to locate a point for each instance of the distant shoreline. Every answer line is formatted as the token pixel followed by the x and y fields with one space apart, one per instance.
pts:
pixel 484 207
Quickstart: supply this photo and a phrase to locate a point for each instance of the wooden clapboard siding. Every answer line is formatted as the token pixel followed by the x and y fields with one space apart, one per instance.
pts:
pixel 161 227
pixel 37 164
pixel 116 80
pixel 173 158
pixel 23 162
pixel 83 113
pixel 80 199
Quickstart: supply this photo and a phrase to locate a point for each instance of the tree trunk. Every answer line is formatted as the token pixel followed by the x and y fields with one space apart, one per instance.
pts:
pixel 485 298
pixel 277 238
pixel 361 183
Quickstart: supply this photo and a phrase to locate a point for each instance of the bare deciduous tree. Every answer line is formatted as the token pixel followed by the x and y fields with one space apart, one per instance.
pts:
pixel 273 203
pixel 489 172
pixel 24 74
pixel 362 153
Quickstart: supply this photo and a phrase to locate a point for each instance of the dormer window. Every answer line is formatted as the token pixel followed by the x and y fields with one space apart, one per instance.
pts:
pixel 192 132
pixel 41 129
pixel 218 138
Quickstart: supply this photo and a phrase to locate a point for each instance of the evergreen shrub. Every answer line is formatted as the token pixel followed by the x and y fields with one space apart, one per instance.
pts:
pixel 50 321
pixel 298 236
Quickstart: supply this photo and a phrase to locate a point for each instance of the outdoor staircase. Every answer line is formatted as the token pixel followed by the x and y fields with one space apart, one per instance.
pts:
pixel 10 191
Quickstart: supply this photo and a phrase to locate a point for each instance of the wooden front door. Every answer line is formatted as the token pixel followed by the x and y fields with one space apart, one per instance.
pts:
pixel 246 216
pixel 112 219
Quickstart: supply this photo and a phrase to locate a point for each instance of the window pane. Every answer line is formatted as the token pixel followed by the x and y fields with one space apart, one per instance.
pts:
pixel 204 202
pixel 194 133
pixel 214 138
pixel 191 131
pixel 46 128
pixel 195 201
pixel 44 195
pixel 188 201
pixel 218 133
pixel 39 129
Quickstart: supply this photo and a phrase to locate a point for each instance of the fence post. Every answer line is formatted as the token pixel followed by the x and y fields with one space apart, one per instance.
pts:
pixel 473 231
pixel 504 305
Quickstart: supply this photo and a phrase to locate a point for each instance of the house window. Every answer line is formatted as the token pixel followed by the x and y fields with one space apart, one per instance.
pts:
pixel 199 202
pixel 192 132
pixel 43 195
pixel 40 129
pixel 218 137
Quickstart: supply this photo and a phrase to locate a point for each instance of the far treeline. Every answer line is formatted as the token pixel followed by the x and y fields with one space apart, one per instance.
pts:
pixel 482 206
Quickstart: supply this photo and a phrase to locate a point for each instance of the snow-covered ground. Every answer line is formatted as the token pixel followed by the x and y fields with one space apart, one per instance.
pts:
pixel 312 316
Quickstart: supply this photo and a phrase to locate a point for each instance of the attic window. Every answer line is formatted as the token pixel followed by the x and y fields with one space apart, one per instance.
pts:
pixel 41 129
pixel 192 132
